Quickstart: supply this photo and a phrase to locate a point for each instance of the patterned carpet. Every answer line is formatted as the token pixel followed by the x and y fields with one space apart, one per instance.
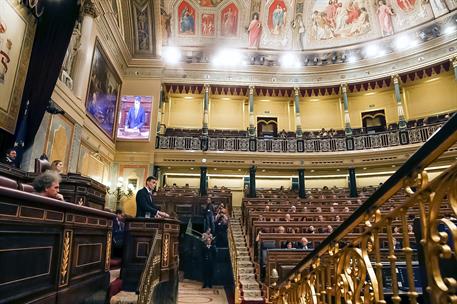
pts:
pixel 192 292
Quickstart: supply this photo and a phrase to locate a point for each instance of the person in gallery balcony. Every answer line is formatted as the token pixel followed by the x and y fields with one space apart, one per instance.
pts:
pixel 48 185
pixel 337 218
pixel 303 244
pixel 10 158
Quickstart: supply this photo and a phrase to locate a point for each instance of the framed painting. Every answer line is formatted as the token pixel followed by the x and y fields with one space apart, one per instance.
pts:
pixel 134 120
pixel 102 91
pixel 17 30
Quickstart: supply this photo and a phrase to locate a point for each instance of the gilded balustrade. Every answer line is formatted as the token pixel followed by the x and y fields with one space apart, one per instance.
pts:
pixel 233 259
pixel 344 270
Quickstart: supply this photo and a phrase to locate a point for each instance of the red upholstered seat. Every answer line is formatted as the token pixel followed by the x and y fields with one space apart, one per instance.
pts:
pixel 7 182
pixel 114 288
pixel 115 263
pixel 41 165
pixel 26 188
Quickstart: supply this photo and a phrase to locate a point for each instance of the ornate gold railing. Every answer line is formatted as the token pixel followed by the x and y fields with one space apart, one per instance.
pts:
pixel 233 255
pixel 151 274
pixel 366 269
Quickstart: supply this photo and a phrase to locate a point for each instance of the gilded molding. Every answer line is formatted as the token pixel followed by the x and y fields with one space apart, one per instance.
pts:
pixel 66 255
pixel 108 250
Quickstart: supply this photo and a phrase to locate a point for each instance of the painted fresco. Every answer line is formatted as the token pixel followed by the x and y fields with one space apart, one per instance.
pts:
pixel 277 18
pixel 336 19
pixel 229 21
pixel 293 24
pixel 408 13
pixel 209 3
pixel 186 14
pixel 208 25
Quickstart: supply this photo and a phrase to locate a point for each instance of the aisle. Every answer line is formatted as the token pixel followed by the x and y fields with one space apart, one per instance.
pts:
pixel 192 292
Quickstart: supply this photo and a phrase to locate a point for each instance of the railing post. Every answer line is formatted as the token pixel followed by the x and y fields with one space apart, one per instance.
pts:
pixel 252 129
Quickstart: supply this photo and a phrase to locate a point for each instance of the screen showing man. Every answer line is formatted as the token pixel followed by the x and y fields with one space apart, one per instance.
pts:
pixel 134 117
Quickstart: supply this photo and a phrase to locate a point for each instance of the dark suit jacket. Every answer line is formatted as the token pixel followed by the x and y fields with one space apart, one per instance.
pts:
pixel 8 161
pixel 138 121
pixel 145 204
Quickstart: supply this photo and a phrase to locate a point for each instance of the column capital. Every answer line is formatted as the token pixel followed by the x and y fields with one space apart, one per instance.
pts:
pixel 344 88
pixel 206 87
pixel 251 90
pixel 453 60
pixel 296 91
pixel 395 78
pixel 88 8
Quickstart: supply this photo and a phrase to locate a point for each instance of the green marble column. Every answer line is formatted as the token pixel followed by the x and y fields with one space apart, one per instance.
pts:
pixel 298 131
pixel 401 112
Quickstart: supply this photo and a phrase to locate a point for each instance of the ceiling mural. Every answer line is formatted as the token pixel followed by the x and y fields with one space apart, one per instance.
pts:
pixel 291 24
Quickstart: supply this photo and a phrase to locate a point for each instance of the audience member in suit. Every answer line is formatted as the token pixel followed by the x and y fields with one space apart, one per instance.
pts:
pixel 10 158
pixel 145 206
pixel 303 244
pixel 48 185
pixel 209 259
pixel 136 115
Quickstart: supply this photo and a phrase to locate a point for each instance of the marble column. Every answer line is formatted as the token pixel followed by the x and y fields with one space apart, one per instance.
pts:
pixel 454 65
pixel 251 113
pixel 160 114
pixel 252 190
pixel 204 138
pixel 352 183
pixel 203 184
pixel 298 131
pixel 401 112
pixel 84 55
pixel 301 183
pixel 347 120
pixel 205 110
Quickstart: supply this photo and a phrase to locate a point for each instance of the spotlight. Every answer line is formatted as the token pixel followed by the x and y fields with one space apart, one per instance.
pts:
pixel 449 29
pixel 343 58
pixel 289 60
pixel 315 60
pixel 171 55
pixel 352 58
pixel 228 57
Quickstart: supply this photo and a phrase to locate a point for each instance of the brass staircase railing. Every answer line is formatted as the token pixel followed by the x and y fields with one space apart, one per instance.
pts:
pixel 150 277
pixel 344 270
pixel 233 260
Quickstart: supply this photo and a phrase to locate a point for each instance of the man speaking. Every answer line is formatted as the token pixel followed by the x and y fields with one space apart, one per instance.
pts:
pixel 145 206
pixel 136 116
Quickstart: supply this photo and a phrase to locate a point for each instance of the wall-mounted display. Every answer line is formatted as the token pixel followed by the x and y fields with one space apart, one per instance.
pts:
pixel 103 90
pixel 134 121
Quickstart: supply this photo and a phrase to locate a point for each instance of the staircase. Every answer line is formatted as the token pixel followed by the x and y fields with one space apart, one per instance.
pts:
pixel 250 290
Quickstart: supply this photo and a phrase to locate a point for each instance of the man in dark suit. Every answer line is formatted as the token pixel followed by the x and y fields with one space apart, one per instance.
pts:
pixel 10 158
pixel 145 206
pixel 136 115
pixel 208 263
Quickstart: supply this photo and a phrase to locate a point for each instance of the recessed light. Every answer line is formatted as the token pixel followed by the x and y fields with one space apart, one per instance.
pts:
pixel 168 167
pixel 364 168
pixel 338 170
pixel 263 170
pixel 188 97
pixel 312 171
pixel 191 168
pixel 393 166
pixel 215 169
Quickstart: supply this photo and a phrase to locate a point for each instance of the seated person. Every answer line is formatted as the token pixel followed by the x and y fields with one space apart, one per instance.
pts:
pixel 57 166
pixel 10 158
pixel 289 245
pixel 303 244
pixel 207 235
pixel 287 217
pixel 48 185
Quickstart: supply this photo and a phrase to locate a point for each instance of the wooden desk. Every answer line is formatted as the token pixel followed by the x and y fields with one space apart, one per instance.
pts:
pixel 51 251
